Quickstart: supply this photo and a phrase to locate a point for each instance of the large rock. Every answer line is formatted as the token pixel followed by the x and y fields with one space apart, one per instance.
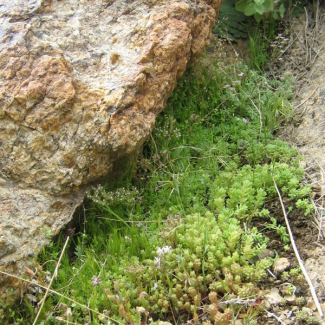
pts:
pixel 81 84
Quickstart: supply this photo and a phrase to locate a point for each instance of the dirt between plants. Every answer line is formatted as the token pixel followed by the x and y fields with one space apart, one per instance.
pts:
pixel 305 59
pixel 300 52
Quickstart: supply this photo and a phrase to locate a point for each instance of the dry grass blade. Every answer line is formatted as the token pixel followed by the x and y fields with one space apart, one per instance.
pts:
pixel 301 263
pixel 318 217
pixel 319 208
pixel 65 321
pixel 274 316
pixel 61 295
pixel 306 37
pixel 306 99
pixel 50 284
pixel 258 109
pixel 128 221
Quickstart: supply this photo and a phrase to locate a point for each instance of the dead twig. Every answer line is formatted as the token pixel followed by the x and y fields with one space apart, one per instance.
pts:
pixel 301 263
pixel 305 100
pixel 306 37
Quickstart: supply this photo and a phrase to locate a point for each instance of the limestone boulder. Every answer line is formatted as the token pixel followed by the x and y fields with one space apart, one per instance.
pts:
pixel 81 83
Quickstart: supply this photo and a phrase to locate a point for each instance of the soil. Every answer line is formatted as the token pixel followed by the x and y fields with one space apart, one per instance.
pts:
pixel 298 51
pixel 305 60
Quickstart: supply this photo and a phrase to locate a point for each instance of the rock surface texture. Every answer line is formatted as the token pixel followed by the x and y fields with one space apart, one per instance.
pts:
pixel 81 84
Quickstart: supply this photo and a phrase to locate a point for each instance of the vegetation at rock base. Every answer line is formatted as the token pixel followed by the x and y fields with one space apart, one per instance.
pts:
pixel 178 241
pixel 233 22
pixel 265 32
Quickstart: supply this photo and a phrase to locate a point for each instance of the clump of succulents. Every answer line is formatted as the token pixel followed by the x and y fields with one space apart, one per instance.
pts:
pixel 305 316
pixel 203 260
pixel 242 191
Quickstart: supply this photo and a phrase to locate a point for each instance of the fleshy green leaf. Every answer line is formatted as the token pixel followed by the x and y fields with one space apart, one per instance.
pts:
pixel 281 10
pixel 250 9
pixel 258 17
pixel 269 5
pixel 241 5
pixel 259 2
pixel 259 8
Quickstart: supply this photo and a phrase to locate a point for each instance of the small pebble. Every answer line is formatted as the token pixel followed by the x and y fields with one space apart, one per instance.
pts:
pixel 311 304
pixel 281 265
pixel 290 299
pixel 273 297
pixel 266 253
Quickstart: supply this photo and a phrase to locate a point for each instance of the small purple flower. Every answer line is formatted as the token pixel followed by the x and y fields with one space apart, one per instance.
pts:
pixel 96 281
